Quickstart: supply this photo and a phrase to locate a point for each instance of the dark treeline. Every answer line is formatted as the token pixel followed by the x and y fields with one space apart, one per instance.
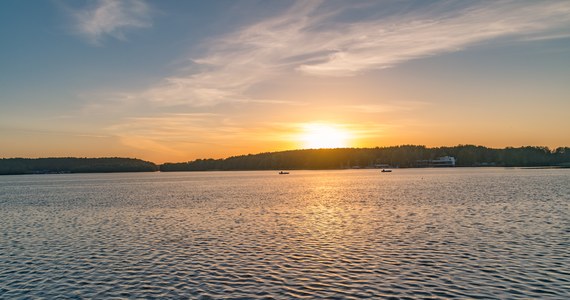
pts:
pixel 405 156
pixel 73 165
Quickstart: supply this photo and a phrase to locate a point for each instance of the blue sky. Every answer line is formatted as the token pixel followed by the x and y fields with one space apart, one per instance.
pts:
pixel 178 80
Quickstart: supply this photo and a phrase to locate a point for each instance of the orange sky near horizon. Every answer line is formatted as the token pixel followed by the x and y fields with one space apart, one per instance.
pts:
pixel 159 150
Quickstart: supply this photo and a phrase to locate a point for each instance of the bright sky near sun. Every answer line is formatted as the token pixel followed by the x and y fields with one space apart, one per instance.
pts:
pixel 180 80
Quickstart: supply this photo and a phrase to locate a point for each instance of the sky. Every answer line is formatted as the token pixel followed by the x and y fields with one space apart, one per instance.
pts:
pixel 171 81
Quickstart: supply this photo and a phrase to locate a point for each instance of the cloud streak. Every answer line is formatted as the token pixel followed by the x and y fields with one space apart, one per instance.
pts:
pixel 112 18
pixel 312 39
pixel 384 43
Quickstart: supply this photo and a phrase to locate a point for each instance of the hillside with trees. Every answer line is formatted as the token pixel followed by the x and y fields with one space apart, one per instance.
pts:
pixel 13 166
pixel 405 156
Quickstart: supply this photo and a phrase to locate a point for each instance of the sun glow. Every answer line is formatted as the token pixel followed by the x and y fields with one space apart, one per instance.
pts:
pixel 316 136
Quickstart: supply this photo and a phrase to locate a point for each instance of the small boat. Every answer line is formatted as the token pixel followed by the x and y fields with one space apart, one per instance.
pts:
pixel 386 171
pixel 283 173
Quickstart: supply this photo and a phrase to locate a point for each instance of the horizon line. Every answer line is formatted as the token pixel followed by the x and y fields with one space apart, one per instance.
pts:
pixel 290 150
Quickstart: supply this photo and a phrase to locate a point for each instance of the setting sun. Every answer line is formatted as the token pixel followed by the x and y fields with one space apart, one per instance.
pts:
pixel 316 136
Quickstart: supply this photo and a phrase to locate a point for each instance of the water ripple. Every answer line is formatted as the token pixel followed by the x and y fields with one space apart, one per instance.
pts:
pixel 430 234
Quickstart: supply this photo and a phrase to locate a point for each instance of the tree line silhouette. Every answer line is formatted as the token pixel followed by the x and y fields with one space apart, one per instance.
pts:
pixel 405 156
pixel 13 166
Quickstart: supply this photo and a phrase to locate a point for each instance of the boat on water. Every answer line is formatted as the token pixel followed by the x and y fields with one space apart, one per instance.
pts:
pixel 283 173
pixel 386 171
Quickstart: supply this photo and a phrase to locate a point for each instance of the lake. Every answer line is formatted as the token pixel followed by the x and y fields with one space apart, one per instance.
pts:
pixel 347 234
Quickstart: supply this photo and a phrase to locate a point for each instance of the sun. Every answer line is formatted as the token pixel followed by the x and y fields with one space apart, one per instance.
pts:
pixel 317 136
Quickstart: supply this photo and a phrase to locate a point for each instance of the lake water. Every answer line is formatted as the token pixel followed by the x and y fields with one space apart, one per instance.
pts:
pixel 350 234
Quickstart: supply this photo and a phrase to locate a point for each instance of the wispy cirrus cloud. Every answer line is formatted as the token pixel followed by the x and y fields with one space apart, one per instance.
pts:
pixel 384 107
pixel 379 44
pixel 315 38
pixel 111 18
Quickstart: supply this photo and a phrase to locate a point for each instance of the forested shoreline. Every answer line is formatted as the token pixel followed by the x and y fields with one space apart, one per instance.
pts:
pixel 405 156
pixel 61 165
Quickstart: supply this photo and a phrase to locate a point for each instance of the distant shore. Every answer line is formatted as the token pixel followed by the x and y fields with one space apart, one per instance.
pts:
pixel 406 156
pixel 67 165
